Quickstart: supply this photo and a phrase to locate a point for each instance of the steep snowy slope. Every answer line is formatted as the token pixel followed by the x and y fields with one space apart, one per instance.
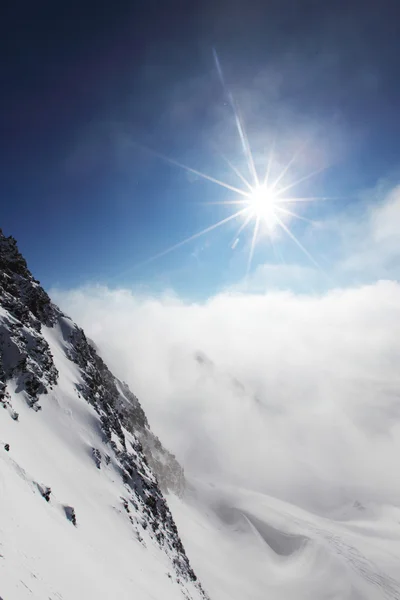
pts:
pixel 82 514
pixel 82 478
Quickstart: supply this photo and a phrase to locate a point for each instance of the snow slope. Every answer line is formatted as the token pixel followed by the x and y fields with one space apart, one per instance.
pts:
pixel 259 547
pixel 82 476
pixel 82 514
pixel 43 554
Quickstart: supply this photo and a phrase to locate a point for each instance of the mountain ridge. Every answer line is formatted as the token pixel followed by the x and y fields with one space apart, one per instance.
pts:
pixel 42 352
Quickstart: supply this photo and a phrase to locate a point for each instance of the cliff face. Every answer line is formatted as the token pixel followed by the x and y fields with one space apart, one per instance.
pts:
pixel 50 369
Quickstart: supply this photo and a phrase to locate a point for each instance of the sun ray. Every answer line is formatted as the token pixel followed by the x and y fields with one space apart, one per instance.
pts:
pixel 286 169
pixel 308 176
pixel 277 254
pixel 243 202
pixel 307 199
pixel 192 237
pixel 295 215
pixel 283 172
pixel 268 170
pixel 176 163
pixel 299 244
pixel 235 240
pixel 253 244
pixel 245 144
pixel 238 121
pixel 263 202
pixel 236 171
pixel 244 224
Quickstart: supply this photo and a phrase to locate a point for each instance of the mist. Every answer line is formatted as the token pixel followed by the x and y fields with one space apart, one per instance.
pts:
pixel 292 395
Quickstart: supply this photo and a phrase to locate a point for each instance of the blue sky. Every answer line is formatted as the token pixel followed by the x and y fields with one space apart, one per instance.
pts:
pixel 84 86
pixel 85 89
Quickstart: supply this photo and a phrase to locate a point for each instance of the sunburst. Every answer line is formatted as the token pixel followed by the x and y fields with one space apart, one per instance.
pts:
pixel 263 202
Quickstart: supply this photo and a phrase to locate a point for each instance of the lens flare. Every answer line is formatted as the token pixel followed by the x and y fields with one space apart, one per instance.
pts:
pixel 262 202
pixel 263 205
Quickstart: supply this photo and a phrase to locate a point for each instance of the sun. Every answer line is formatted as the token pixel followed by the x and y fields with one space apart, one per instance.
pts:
pixel 263 204
pixel 261 201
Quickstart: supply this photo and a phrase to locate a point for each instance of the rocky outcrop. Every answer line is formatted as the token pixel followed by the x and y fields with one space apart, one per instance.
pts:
pixel 24 353
pixel 144 465
pixel 119 407
pixel 21 293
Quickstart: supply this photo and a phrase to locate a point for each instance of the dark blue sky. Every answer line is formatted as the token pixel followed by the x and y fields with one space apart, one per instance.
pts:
pixel 84 83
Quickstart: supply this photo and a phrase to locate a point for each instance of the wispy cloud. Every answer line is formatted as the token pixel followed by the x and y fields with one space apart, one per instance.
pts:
pixel 370 240
pixel 357 244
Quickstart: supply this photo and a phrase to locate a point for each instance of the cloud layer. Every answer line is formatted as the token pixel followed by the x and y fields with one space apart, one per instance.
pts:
pixel 294 395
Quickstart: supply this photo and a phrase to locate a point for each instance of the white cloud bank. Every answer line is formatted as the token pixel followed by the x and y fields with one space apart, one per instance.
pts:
pixel 318 420
pixel 317 417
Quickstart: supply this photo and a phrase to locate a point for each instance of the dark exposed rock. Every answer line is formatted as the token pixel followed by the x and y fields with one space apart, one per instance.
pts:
pixel 24 353
pixel 3 385
pixel 119 408
pixel 70 514
pixel 22 294
pixel 45 491
pixel 25 356
pixel 145 466
pixel 96 457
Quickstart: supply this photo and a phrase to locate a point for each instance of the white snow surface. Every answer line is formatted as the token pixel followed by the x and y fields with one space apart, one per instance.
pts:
pixel 243 545
pixel 42 554
pixel 249 546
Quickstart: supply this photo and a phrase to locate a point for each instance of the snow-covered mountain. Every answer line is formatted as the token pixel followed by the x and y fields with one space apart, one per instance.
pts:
pixel 91 502
pixel 82 476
